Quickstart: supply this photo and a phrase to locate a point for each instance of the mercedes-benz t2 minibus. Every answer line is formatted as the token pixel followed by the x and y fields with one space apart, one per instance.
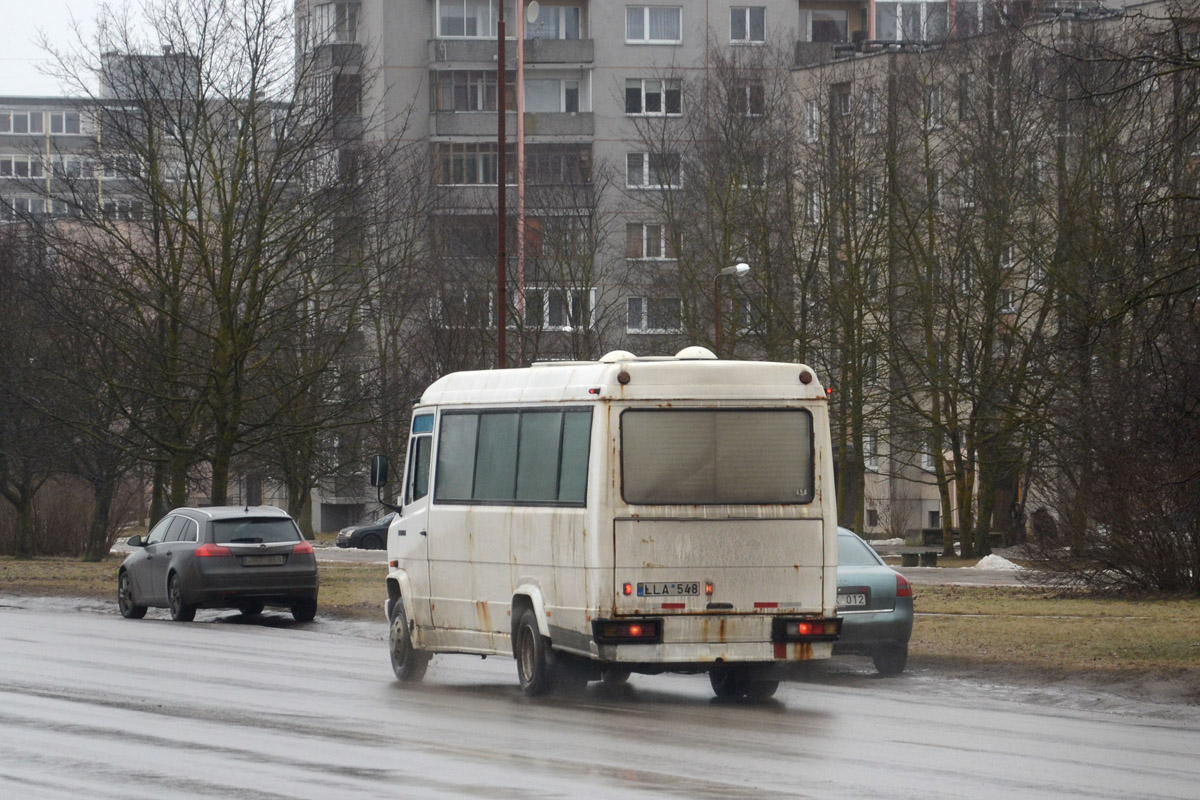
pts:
pixel 593 519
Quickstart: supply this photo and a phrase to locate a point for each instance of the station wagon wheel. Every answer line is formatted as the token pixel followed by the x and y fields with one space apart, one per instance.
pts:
pixel 408 663
pixel 129 609
pixel 891 659
pixel 304 610
pixel 180 611
pixel 534 666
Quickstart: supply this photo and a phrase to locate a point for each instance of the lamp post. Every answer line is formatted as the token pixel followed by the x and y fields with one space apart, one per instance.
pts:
pixel 737 271
pixel 501 209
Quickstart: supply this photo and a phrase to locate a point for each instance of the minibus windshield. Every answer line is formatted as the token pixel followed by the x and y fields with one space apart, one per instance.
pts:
pixel 717 456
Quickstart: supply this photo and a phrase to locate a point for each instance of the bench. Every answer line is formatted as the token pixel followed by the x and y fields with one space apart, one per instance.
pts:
pixel 912 555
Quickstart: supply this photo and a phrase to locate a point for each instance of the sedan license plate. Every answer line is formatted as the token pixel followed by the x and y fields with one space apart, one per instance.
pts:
pixel 852 600
pixel 262 561
pixel 669 589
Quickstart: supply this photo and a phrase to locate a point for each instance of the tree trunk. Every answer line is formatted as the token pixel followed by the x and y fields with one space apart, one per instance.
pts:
pixel 97 546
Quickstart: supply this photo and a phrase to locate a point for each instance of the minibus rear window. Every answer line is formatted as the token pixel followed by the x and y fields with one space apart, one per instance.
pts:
pixel 716 456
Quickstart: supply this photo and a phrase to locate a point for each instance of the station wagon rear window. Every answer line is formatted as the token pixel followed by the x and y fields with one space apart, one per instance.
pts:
pixel 717 456
pixel 254 530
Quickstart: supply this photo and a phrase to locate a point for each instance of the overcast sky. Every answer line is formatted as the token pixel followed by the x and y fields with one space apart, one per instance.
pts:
pixel 21 55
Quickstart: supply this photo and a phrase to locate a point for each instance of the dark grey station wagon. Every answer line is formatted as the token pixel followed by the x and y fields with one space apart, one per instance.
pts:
pixel 220 557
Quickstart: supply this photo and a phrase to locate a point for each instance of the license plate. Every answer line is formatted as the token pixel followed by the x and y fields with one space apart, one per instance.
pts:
pixel 262 561
pixel 677 589
pixel 852 600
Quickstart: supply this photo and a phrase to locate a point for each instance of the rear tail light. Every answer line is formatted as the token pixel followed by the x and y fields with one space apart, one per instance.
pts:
pixel 903 587
pixel 210 550
pixel 804 629
pixel 627 631
pixel 303 548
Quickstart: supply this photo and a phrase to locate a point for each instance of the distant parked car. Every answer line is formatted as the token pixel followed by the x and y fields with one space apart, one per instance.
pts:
pixel 372 536
pixel 220 557
pixel 876 606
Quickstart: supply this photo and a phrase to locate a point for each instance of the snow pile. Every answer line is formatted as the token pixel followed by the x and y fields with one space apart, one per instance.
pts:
pixel 886 542
pixel 994 561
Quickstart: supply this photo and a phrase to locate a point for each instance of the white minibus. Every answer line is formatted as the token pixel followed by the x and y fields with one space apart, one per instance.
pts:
pixel 593 519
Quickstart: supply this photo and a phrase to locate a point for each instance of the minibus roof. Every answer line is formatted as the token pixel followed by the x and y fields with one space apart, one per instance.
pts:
pixel 692 374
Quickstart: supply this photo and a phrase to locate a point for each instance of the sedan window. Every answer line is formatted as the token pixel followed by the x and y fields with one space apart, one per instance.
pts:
pixel 853 552
pixel 253 531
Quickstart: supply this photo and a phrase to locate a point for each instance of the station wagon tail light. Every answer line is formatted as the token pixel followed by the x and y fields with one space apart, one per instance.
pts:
pixel 303 548
pixel 903 587
pixel 210 550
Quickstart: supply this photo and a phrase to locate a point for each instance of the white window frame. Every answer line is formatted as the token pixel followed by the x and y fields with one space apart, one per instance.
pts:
pixel 666 86
pixel 646 172
pixel 747 14
pixel 812 121
pixel 490 23
pixel 562 27
pixel 334 23
pixel 642 325
pixel 871 451
pixel 31 166
pixel 647 229
pixel 645 38
pixel 573 295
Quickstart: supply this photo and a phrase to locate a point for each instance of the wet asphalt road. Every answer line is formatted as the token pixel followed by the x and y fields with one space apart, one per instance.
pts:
pixel 95 706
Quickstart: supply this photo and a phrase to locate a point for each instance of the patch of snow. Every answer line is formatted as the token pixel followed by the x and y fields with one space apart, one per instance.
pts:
pixel 994 561
pixel 885 542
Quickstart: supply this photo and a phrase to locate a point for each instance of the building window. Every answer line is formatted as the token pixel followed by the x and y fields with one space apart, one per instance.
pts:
pixel 871 451
pixel 21 122
pixel 812 121
pixel 64 122
pixel 469 163
pixel 334 22
pixel 935 520
pixel 469 90
pixel 652 170
pixel 872 518
pixel 748 99
pixel 555 22
pixel 551 95
pixel 653 24
pixel 20 167
pixel 647 241
pixel 558 309
pixel 466 19
pixel 829 25
pixel 870 111
pixel 812 205
pixel 911 21
pixel 747 25
pixel 650 97
pixel 654 315
pixel 933 107
pixel 558 164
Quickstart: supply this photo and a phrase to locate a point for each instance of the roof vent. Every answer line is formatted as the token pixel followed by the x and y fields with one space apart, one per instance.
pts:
pixel 613 356
pixel 696 353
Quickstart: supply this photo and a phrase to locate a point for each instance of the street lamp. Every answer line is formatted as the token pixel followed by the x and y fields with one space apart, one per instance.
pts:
pixel 737 271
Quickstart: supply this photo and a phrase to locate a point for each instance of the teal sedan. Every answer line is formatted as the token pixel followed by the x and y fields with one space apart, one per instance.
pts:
pixel 876 606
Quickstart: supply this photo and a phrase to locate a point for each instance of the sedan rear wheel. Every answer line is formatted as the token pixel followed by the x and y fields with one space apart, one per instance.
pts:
pixel 891 659
pixel 371 542
pixel 129 609
pixel 180 611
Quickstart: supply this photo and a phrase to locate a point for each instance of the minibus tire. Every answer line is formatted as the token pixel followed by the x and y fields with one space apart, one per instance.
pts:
pixel 728 683
pixel 535 662
pixel 408 663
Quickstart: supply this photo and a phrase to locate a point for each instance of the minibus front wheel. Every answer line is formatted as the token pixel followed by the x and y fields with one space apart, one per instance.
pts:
pixel 408 663
pixel 535 661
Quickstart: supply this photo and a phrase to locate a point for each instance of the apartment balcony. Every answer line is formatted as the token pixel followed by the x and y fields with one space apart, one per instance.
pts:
pixel 337 56
pixel 577 124
pixel 537 51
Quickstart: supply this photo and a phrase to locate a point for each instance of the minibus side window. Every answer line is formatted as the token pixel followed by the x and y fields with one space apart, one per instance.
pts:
pixel 418 471
pixel 514 456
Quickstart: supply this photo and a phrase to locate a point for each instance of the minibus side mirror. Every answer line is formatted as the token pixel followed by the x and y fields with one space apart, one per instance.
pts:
pixel 379 471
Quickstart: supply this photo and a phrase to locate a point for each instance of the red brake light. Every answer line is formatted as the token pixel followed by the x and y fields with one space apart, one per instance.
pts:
pixel 209 550
pixel 903 587
pixel 303 548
